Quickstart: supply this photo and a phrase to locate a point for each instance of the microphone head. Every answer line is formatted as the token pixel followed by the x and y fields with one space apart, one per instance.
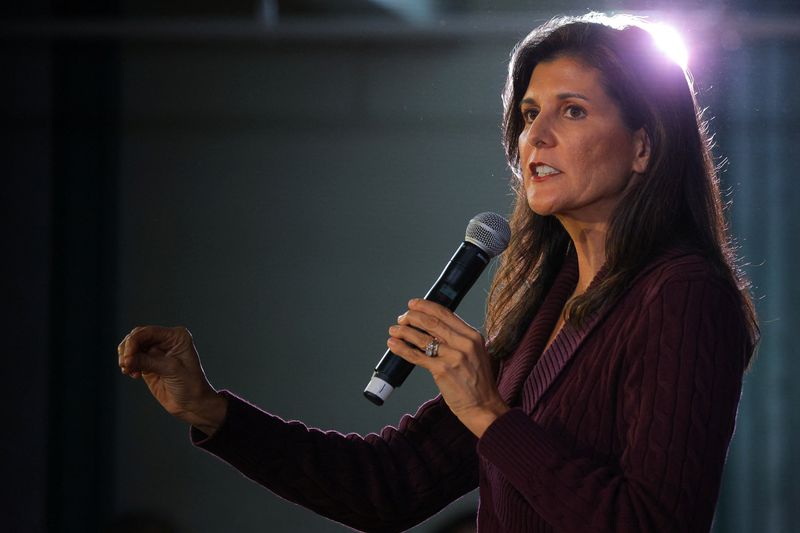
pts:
pixel 490 232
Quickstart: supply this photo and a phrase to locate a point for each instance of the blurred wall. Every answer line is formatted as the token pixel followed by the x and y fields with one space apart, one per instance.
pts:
pixel 758 111
pixel 284 202
pixel 26 218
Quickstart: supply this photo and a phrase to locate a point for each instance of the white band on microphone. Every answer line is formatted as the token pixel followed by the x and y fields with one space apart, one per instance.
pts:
pixel 379 388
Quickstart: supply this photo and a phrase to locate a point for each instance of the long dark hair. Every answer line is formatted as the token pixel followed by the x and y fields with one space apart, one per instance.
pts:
pixel 677 200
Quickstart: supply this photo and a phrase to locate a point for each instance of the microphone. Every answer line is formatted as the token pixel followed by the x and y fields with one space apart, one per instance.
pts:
pixel 487 236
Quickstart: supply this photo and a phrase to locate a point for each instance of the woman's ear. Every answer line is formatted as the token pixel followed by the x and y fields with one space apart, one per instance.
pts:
pixel 642 145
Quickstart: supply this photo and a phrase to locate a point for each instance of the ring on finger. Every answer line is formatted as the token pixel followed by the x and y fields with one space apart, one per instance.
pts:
pixel 432 348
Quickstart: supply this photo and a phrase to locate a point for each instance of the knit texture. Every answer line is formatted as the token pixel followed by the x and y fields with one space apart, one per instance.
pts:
pixel 622 424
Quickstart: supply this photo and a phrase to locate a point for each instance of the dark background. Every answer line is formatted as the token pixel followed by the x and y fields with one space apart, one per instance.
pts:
pixel 281 177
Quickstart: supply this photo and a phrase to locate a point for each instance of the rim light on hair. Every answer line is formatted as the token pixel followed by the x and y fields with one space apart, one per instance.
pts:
pixel 669 41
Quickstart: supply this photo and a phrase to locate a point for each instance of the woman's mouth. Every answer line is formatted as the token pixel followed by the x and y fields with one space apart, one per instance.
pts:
pixel 542 172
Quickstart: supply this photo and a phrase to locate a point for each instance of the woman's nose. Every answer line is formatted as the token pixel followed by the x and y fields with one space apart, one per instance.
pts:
pixel 539 133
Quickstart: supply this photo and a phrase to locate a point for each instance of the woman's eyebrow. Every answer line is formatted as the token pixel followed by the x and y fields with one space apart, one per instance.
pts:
pixel 564 96
pixel 560 96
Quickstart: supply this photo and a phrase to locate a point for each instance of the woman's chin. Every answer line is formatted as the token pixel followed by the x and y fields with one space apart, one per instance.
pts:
pixel 541 209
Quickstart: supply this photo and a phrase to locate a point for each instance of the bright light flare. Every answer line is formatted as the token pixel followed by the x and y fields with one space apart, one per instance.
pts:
pixel 670 42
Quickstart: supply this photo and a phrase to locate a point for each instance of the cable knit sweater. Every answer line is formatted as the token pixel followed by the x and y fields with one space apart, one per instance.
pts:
pixel 620 425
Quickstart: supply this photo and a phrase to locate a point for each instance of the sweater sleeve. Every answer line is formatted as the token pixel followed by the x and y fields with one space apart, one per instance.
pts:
pixel 679 393
pixel 381 482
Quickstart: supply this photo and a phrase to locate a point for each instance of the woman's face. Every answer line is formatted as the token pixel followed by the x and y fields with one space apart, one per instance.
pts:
pixel 577 156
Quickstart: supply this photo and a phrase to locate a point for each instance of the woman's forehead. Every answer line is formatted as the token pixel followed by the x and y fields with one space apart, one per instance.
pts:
pixel 565 77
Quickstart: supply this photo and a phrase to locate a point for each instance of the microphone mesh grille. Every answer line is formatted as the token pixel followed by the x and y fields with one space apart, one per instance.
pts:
pixel 490 232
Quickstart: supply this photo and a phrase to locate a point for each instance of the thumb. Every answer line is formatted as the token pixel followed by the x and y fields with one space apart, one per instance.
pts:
pixel 153 362
pixel 153 349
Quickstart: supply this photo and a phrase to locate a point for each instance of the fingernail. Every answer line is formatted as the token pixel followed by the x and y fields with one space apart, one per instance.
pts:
pixel 399 318
pixel 413 301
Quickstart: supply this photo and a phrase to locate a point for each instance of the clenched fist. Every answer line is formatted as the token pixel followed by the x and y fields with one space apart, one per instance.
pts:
pixel 167 360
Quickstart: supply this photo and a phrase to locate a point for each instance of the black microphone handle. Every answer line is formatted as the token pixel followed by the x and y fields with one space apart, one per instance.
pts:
pixel 457 278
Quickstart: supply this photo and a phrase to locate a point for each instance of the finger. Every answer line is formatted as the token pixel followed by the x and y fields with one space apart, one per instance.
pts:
pixel 145 339
pixel 432 326
pixel 452 320
pixel 463 336
pixel 120 346
pixel 152 362
pixel 411 354
pixel 412 335
pixel 167 339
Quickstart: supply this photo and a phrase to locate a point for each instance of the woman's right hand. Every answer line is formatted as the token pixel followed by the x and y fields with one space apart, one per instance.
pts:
pixel 166 359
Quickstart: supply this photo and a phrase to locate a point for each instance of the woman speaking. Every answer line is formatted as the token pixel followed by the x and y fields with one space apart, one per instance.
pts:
pixel 603 394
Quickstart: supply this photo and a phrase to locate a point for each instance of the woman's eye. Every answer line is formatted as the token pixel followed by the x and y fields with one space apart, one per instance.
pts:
pixel 574 111
pixel 530 114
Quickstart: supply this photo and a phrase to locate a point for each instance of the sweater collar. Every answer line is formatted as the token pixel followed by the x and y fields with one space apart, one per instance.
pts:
pixel 518 367
pixel 530 371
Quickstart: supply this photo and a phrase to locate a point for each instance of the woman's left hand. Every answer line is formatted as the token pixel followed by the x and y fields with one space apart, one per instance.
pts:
pixel 462 369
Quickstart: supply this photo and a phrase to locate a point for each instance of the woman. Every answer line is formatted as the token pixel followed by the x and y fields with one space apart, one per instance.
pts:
pixel 619 327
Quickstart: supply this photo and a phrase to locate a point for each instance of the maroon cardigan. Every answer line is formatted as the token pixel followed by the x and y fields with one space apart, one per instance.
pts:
pixel 621 425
